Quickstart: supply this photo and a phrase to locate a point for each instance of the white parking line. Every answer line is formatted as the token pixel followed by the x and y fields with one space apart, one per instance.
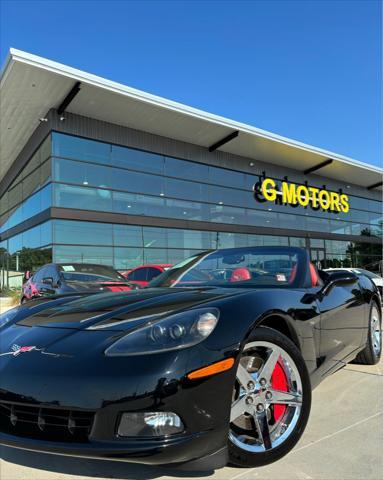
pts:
pixel 326 437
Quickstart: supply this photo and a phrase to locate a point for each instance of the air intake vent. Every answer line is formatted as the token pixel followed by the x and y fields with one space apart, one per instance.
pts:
pixel 46 423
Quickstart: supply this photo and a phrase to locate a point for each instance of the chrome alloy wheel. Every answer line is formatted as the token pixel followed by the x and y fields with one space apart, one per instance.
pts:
pixel 375 331
pixel 263 415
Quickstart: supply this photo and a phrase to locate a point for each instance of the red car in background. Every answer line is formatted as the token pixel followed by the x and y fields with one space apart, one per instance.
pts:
pixel 144 274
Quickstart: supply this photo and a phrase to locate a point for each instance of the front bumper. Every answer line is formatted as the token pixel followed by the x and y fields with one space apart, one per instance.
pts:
pixel 178 449
pixel 73 379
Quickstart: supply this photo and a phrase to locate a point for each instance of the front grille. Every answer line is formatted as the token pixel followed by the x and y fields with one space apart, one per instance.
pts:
pixel 45 423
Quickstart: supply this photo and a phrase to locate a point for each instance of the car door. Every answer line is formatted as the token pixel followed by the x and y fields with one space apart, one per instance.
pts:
pixel 343 319
pixel 139 276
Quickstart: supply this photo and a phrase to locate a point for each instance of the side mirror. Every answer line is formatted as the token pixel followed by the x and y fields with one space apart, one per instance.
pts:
pixel 338 279
pixel 48 281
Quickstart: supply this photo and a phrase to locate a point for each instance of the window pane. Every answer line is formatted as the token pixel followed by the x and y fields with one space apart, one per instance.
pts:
pixel 32 164
pixel 46 233
pixel 31 183
pixel 317 242
pixel 191 239
pixel 297 242
pixel 185 170
pixel 135 204
pixel 229 178
pixel 45 172
pixel 15 243
pixel 32 237
pixel 186 210
pixel 155 237
pixel 224 214
pixel 336 246
pixel 155 255
pixel 126 258
pixel 69 171
pixel 127 235
pixel 70 196
pixel 229 196
pixel 73 232
pixel 137 182
pixel 177 238
pixel 137 159
pixel 337 226
pixel 261 218
pixel 81 148
pixel 318 224
pixel 277 241
pixel 46 197
pixel 45 149
pixel 187 190
pixel 81 173
pixel 83 254
pixel 15 216
pixel 232 240
pixel 36 203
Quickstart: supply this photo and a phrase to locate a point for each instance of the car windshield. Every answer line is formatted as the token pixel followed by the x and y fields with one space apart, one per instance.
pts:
pixel 89 273
pixel 252 266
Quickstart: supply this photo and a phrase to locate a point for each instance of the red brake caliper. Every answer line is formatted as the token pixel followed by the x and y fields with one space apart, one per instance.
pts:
pixel 279 382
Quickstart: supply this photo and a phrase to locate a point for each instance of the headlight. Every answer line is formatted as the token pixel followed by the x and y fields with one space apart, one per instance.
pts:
pixel 172 333
pixel 7 316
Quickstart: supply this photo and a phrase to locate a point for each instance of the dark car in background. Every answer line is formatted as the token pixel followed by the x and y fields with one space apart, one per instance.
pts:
pixel 144 274
pixel 60 278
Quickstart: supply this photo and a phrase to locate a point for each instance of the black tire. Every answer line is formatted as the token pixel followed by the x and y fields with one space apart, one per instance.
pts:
pixel 242 458
pixel 370 356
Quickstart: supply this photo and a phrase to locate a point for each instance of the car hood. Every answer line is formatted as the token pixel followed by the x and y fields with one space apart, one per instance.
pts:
pixel 122 311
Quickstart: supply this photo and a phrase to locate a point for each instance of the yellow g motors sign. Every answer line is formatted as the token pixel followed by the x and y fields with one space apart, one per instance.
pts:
pixel 292 194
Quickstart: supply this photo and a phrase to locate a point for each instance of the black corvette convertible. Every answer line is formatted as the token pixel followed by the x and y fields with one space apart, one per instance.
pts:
pixel 217 357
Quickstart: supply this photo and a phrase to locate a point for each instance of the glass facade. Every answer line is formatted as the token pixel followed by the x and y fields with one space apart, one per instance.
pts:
pixel 127 246
pixel 30 192
pixel 105 177
pixel 79 173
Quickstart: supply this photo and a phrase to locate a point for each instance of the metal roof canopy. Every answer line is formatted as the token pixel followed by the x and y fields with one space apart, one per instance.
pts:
pixel 30 86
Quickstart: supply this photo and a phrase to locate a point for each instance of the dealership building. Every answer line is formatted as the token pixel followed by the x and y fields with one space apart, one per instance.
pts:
pixel 95 171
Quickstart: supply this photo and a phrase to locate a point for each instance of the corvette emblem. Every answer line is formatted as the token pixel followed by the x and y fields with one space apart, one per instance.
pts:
pixel 17 350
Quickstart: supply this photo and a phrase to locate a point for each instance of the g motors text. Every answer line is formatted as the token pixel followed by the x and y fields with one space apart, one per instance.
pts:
pixel 294 195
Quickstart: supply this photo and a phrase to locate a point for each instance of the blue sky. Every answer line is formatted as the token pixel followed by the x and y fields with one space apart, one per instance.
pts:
pixel 309 70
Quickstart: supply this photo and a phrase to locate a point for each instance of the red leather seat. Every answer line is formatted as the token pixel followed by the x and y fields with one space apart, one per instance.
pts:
pixel 240 274
pixel 314 275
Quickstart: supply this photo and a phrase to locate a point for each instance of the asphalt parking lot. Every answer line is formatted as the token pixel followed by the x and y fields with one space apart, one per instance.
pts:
pixel 343 440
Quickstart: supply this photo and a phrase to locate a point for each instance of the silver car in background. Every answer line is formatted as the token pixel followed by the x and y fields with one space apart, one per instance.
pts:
pixel 377 279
